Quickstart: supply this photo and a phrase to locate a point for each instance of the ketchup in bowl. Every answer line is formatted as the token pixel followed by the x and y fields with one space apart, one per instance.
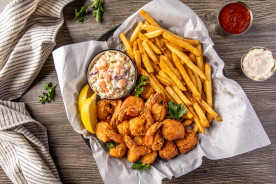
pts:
pixel 235 18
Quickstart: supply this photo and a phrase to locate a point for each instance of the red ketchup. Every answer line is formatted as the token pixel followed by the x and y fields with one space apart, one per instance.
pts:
pixel 234 18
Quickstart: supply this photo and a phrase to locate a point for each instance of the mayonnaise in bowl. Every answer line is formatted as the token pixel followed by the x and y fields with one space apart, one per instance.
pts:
pixel 258 63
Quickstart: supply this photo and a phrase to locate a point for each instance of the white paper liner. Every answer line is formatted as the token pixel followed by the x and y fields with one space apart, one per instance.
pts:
pixel 240 131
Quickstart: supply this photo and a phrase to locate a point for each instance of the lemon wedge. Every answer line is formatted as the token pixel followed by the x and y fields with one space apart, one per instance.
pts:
pixel 85 93
pixel 89 113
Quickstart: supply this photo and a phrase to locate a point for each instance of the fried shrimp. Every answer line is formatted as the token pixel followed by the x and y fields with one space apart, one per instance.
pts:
pixel 100 131
pixel 123 128
pixel 148 91
pixel 153 138
pixel 119 151
pixel 106 108
pixel 131 107
pixel 172 130
pixel 157 109
pixel 168 151
pixel 149 158
pixel 137 126
pixel 135 151
pixel 189 141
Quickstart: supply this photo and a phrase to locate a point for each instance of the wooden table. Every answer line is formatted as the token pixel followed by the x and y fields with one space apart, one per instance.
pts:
pixel 73 158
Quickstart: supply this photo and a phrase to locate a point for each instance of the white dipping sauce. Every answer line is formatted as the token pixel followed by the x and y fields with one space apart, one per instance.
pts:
pixel 258 64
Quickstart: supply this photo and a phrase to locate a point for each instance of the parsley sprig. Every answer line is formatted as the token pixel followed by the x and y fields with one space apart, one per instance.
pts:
pixel 139 165
pixel 139 86
pixel 98 9
pixel 175 111
pixel 81 15
pixel 47 97
pixel 111 144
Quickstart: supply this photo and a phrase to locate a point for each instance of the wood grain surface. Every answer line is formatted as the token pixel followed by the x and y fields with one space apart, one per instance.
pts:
pixel 74 159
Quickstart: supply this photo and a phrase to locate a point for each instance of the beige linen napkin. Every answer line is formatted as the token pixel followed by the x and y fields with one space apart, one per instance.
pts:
pixel 27 37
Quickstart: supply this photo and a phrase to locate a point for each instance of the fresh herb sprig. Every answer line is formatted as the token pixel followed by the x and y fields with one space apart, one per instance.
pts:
pixel 139 86
pixel 98 9
pixel 175 111
pixel 81 15
pixel 139 165
pixel 47 97
pixel 111 144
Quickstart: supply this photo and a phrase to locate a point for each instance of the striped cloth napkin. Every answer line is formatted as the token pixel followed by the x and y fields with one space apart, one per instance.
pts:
pixel 27 37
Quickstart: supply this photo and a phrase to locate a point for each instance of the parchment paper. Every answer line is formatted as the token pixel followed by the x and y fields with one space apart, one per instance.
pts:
pixel 240 132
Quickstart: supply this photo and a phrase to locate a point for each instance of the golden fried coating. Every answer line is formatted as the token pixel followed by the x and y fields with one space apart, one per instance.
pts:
pixel 172 130
pixel 132 106
pixel 123 128
pixel 132 156
pixel 168 151
pixel 148 91
pixel 137 126
pixel 189 141
pixel 119 151
pixel 139 140
pixel 158 141
pixel 148 158
pixel 106 108
pixel 149 137
pixel 100 131
pixel 158 112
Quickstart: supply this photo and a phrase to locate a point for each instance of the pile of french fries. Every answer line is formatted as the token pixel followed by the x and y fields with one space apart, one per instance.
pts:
pixel 175 68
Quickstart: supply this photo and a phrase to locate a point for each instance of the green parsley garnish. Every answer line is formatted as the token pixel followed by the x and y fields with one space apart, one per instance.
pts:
pixel 175 111
pixel 98 9
pixel 139 165
pixel 111 144
pixel 47 97
pixel 81 15
pixel 139 86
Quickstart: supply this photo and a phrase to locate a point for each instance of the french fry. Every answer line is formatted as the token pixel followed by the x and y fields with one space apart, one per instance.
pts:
pixel 150 52
pixel 134 35
pixel 184 99
pixel 168 71
pixel 181 43
pixel 164 81
pixel 135 46
pixel 145 57
pixel 153 84
pixel 187 122
pixel 192 57
pixel 172 67
pixel 150 28
pixel 130 54
pixel 161 87
pixel 200 114
pixel 187 61
pixel 195 129
pixel 155 67
pixel 178 101
pixel 153 34
pixel 148 18
pixel 208 89
pixel 197 121
pixel 163 48
pixel 192 77
pixel 185 75
pixel 199 59
pixel 150 43
pixel 203 109
pixel 137 56
pixel 174 45
pixel 209 109
pixel 198 83
pixel 125 42
pixel 147 23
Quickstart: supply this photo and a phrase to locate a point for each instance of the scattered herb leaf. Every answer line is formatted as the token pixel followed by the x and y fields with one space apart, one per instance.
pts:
pixel 139 165
pixel 111 144
pixel 81 15
pixel 47 97
pixel 139 86
pixel 175 111
pixel 98 9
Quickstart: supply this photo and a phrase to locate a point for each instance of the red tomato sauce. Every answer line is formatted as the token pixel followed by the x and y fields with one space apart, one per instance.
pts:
pixel 234 18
